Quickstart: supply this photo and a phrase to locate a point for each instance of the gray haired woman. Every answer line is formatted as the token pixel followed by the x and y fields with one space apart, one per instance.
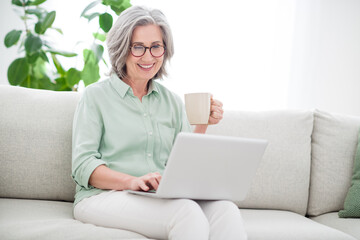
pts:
pixel 123 132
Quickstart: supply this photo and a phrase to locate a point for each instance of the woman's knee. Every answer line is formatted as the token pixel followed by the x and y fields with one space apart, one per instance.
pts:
pixel 190 221
pixel 226 206
pixel 192 210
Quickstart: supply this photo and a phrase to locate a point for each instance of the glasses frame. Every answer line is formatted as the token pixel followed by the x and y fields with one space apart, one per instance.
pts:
pixel 149 50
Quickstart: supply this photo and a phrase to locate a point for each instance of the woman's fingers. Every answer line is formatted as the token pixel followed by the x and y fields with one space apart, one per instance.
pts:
pixel 142 185
pixel 150 181
pixel 216 111
pixel 153 182
pixel 215 102
pixel 216 115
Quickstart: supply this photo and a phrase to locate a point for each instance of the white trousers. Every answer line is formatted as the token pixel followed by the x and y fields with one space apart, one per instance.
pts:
pixel 163 218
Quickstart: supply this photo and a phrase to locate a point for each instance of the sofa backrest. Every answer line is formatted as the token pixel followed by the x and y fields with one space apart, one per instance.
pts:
pixel 35 151
pixel 35 143
pixel 282 179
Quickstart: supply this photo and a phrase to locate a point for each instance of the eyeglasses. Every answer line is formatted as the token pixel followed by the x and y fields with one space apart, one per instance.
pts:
pixel 155 51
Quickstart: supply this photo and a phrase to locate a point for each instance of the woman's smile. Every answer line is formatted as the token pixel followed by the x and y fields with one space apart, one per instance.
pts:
pixel 146 67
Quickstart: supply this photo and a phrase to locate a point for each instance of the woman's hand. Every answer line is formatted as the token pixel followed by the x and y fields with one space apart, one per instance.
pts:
pixel 216 114
pixel 216 111
pixel 145 183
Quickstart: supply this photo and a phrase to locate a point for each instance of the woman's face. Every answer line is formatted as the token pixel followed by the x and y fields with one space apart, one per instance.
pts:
pixel 145 67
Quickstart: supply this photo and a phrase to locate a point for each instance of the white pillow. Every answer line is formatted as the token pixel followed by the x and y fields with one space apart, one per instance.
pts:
pixel 282 179
pixel 334 142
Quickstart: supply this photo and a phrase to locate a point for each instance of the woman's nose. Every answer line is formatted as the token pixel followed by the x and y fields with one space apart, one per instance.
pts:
pixel 147 54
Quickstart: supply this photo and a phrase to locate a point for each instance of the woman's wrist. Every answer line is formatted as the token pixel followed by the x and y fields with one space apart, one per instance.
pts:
pixel 127 182
pixel 201 128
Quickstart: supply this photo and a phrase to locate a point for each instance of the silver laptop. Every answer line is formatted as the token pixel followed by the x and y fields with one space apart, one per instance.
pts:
pixel 209 167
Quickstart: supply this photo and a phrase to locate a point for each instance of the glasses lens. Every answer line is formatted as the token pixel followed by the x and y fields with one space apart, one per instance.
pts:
pixel 157 50
pixel 137 50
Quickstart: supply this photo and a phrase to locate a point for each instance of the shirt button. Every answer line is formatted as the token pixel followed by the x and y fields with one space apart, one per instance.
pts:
pixel 149 154
pixel 145 114
pixel 150 133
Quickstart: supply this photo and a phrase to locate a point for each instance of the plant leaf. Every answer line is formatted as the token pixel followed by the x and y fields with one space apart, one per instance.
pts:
pixel 62 53
pixel 30 82
pixel 48 21
pixel 90 72
pixel 12 38
pixel 17 3
pixel 58 30
pixel 32 44
pixel 36 11
pixel 119 8
pixel 91 16
pixel 73 77
pixel 60 85
pixel 105 62
pixel 43 56
pixel 18 71
pixel 57 65
pixel 126 4
pixel 45 83
pixel 33 57
pixel 38 27
pixel 34 2
pixel 26 18
pixel 115 3
pixel 98 51
pixel 40 68
pixel 89 56
pixel 88 7
pixel 105 21
pixel 99 36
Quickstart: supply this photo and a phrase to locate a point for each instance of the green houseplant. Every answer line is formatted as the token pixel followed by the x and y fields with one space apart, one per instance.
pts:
pixel 40 66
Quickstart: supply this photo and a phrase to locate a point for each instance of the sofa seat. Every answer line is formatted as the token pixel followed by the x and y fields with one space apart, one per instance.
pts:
pixel 54 220
pixel 348 225
pixel 285 225
pixel 38 219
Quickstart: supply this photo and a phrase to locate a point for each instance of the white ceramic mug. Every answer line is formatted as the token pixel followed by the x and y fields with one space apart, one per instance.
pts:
pixel 197 107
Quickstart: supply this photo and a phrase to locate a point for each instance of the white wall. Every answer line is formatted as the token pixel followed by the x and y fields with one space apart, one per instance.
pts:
pixel 326 56
pixel 9 21
pixel 238 50
pixel 251 54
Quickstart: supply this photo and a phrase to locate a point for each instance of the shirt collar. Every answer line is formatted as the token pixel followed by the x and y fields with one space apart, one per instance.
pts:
pixel 122 88
pixel 153 88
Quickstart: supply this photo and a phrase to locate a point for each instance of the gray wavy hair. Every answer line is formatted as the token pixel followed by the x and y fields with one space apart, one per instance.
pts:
pixel 119 37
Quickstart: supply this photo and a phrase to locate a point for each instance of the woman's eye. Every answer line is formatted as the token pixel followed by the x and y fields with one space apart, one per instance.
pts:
pixel 138 47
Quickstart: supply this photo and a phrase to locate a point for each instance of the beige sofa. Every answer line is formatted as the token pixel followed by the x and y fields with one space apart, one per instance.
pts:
pixel 299 187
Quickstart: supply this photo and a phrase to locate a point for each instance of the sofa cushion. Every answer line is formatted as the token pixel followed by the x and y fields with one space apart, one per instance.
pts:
pixel 352 200
pixel 334 142
pixel 38 219
pixel 284 225
pixel 35 143
pixel 350 226
pixel 282 179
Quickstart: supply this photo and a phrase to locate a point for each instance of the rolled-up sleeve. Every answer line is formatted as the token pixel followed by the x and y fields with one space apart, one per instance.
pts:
pixel 86 138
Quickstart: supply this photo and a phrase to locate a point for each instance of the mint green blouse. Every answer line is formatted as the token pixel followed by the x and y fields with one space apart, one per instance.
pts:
pixel 113 127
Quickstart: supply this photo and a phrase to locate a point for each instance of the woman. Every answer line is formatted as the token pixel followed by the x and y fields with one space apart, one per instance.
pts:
pixel 124 128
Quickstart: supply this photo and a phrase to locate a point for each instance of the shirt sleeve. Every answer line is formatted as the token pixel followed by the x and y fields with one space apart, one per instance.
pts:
pixel 86 137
